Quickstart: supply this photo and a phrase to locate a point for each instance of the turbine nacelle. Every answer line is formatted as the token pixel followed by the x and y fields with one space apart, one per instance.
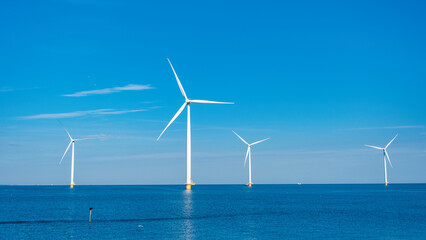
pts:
pixel 249 145
pixel 187 101
pixel 72 141
pixel 385 153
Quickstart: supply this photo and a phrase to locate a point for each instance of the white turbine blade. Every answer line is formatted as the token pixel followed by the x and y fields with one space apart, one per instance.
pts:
pixel 240 138
pixel 387 156
pixel 65 152
pixel 68 134
pixel 207 101
pixel 174 117
pixel 391 141
pixel 259 141
pixel 245 160
pixel 65 130
pixel 374 147
pixel 180 85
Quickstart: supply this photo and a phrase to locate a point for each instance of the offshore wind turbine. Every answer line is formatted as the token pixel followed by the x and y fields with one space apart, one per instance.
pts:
pixel 385 156
pixel 248 154
pixel 187 103
pixel 72 141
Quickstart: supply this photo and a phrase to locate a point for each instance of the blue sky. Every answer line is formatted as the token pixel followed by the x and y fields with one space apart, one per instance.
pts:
pixel 320 79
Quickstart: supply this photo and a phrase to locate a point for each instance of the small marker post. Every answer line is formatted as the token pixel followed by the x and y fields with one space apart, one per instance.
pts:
pixel 90 215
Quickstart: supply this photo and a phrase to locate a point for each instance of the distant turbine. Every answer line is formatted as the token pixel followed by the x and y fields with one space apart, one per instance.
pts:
pixel 72 156
pixel 385 155
pixel 249 155
pixel 187 103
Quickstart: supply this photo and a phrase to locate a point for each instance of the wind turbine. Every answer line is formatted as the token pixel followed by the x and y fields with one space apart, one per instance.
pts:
pixel 187 103
pixel 72 155
pixel 385 155
pixel 249 155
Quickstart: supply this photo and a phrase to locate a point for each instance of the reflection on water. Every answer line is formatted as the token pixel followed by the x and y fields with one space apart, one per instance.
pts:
pixel 188 224
pixel 73 209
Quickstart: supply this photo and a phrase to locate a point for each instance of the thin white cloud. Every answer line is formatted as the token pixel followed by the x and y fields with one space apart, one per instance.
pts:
pixel 120 112
pixel 170 155
pixel 391 127
pixel 11 89
pixel 6 89
pixel 129 87
pixel 79 114
pixel 102 136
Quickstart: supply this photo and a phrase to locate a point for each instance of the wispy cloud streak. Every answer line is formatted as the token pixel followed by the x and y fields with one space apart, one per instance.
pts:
pixel 10 89
pixel 79 114
pixel 129 87
pixel 391 127
pixel 7 89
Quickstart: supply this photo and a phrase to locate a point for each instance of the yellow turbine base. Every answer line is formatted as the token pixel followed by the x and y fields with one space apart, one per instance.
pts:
pixel 249 184
pixel 386 183
pixel 188 186
pixel 72 185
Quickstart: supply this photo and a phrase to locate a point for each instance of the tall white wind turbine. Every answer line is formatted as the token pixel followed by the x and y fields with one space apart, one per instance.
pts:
pixel 187 103
pixel 72 141
pixel 248 154
pixel 385 155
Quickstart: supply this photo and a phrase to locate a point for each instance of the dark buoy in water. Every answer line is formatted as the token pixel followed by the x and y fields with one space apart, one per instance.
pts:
pixel 90 215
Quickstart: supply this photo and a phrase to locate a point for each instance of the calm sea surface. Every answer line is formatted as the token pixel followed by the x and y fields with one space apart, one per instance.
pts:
pixel 397 211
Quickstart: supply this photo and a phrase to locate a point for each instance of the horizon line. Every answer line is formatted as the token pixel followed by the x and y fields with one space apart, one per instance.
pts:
pixel 210 184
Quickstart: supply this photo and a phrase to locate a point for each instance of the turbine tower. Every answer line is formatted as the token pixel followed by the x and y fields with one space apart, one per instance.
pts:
pixel 249 155
pixel 187 103
pixel 385 155
pixel 72 156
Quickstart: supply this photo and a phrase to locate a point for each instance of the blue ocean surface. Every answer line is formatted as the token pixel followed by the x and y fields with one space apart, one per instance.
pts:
pixel 340 211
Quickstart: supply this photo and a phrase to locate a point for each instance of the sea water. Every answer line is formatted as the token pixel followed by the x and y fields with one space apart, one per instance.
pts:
pixel 341 211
